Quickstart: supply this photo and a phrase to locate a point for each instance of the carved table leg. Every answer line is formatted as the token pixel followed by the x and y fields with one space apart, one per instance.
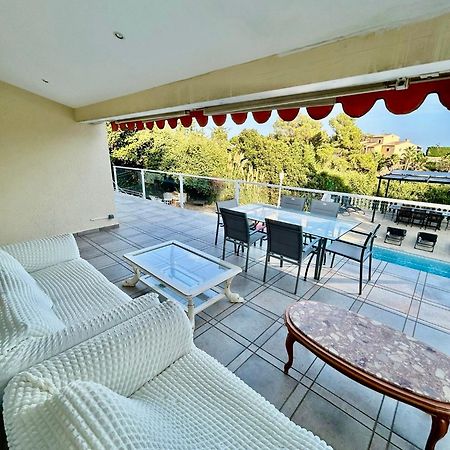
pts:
pixel 290 351
pixel 233 297
pixel 131 282
pixel 439 428
pixel 190 311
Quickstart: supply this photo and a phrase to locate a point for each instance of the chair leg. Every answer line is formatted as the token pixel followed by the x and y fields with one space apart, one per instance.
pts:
pixel 361 267
pixel 370 267
pixel 307 266
pixel 281 261
pixel 217 230
pixel 296 282
pixel 246 259
pixel 332 260
pixel 265 266
pixel 223 250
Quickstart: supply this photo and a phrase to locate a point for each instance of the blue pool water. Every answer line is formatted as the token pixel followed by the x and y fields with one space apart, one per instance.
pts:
pixel 430 265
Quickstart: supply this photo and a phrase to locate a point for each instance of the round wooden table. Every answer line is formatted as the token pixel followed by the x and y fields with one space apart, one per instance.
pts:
pixel 376 356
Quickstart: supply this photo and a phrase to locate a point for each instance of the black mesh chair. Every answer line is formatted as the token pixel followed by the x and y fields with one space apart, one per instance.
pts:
pixel 354 251
pixel 404 215
pixel 395 235
pixel 237 231
pixel 294 203
pixel 434 220
pixel 223 204
pixel 285 242
pixel 326 209
pixel 425 241
pixel 419 217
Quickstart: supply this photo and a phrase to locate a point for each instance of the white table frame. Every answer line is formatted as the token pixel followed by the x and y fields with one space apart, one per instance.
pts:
pixel 209 287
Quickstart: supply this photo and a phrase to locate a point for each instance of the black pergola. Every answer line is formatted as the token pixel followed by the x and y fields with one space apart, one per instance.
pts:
pixel 412 176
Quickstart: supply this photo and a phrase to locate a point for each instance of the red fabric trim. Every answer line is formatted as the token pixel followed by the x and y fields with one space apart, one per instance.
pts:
pixel 261 116
pixel 200 117
pixel 397 102
pixel 172 122
pixel 288 114
pixel 186 121
pixel 239 118
pixel 319 112
pixel 220 119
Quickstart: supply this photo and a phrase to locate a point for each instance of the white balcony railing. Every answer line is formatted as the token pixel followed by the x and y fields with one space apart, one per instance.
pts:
pixel 194 190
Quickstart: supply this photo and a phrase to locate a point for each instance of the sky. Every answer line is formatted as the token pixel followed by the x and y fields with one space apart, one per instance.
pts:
pixel 428 125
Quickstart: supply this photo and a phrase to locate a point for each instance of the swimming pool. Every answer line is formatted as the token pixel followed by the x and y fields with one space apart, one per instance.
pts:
pixel 430 265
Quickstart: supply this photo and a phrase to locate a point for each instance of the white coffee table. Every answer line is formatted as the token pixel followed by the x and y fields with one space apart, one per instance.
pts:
pixel 183 274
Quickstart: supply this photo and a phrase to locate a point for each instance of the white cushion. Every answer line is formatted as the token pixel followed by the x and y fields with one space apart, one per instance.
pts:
pixel 41 253
pixel 25 310
pixel 78 290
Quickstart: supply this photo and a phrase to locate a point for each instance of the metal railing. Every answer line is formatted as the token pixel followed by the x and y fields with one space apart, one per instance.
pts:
pixel 198 190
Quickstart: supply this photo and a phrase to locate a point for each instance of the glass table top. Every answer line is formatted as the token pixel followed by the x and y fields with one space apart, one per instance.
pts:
pixel 320 226
pixel 186 269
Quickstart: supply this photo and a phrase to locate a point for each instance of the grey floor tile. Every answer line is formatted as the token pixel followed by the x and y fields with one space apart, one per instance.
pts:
pixel 361 397
pixel 303 358
pixel 436 295
pixel 102 261
pixel 396 284
pixel 325 295
pixel 438 339
pixel 247 322
pixel 270 382
pixel 386 317
pixel 287 283
pixel 333 425
pixel 378 443
pixel 412 424
pixel 244 286
pixel 219 345
pixel 90 252
pixel 116 272
pixel 272 301
pixel 435 315
pixel 390 299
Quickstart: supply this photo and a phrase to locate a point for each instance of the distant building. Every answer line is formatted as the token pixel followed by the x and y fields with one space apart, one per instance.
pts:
pixel 388 144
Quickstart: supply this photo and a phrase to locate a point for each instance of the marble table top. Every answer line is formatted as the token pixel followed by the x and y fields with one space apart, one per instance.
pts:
pixel 376 349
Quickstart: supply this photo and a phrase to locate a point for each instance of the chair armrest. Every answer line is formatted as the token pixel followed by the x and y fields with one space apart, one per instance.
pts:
pixel 42 253
pixel 121 358
pixel 34 350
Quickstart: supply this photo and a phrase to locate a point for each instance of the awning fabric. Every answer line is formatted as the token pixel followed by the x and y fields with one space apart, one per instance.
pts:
pixel 355 105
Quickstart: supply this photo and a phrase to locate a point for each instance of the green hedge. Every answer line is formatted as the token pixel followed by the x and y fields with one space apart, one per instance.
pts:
pixel 437 151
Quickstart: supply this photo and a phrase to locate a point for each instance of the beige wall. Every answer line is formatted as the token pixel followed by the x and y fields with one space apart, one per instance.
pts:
pixel 54 172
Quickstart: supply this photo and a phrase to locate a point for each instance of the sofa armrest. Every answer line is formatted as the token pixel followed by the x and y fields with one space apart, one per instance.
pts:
pixel 42 253
pixel 34 350
pixel 121 358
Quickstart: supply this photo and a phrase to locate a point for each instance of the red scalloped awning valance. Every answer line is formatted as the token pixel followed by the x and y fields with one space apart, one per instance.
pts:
pixel 355 105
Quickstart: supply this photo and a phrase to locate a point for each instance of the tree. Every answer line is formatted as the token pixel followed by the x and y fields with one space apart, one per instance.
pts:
pixel 348 136
pixel 413 159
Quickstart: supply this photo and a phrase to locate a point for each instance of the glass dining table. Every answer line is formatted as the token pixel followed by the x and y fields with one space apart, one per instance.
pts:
pixel 322 227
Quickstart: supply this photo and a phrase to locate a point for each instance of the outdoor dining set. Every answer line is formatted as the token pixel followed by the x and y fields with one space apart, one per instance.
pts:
pixel 293 235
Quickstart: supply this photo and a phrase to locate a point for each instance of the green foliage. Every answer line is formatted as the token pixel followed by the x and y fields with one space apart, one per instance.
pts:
pixel 437 151
pixel 301 149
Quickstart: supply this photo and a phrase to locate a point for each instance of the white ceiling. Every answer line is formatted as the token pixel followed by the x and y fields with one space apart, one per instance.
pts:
pixel 71 44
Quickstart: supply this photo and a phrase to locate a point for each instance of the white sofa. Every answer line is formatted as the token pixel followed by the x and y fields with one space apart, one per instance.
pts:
pixel 143 385
pixel 51 299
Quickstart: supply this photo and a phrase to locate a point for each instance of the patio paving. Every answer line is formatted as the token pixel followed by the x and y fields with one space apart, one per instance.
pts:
pixel 249 338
